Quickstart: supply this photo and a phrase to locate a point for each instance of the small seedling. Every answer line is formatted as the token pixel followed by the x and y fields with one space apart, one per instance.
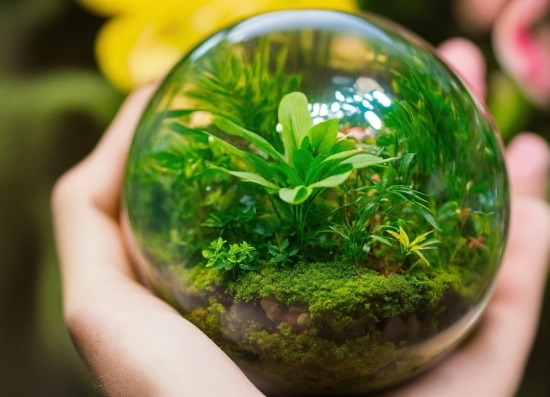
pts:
pixel 418 245
pixel 238 257
pixel 280 254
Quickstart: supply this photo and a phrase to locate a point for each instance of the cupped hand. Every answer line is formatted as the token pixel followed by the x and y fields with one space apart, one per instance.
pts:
pixel 134 343
pixel 137 345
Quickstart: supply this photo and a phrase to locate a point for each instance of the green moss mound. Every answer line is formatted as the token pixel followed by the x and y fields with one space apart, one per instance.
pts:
pixel 324 323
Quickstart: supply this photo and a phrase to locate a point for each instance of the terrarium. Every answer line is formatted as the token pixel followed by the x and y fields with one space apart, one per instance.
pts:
pixel 321 195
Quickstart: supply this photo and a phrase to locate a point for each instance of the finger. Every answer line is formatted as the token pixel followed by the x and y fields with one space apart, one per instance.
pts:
pixel 528 159
pixel 109 157
pixel 467 61
pixel 496 353
pixel 85 203
pixel 492 360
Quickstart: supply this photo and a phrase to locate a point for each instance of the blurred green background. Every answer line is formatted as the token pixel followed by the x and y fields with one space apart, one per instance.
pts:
pixel 54 106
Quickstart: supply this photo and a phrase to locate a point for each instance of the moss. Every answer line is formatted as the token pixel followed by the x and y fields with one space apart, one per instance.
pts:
pixel 308 356
pixel 340 292
pixel 208 319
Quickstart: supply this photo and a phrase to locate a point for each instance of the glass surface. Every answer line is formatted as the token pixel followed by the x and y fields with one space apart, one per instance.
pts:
pixel 321 196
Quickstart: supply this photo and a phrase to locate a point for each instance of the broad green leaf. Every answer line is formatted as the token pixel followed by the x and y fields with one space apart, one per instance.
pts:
pixel 213 220
pixel 296 121
pixel 342 155
pixel 261 166
pixel 295 196
pixel 233 129
pixel 336 169
pixel 322 136
pixel 343 145
pixel 315 168
pixel 249 177
pixel 366 160
pixel 290 175
pixel 331 181
pixel 325 170
pixel 226 147
pixel 302 159
pixel 305 143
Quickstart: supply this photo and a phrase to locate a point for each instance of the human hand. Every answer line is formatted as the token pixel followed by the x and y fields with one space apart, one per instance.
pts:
pixel 133 342
pixel 137 345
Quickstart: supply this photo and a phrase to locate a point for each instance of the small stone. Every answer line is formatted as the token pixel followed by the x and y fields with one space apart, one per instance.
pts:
pixel 304 320
pixel 272 308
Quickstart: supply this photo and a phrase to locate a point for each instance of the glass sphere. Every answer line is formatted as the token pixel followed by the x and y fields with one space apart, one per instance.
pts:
pixel 321 195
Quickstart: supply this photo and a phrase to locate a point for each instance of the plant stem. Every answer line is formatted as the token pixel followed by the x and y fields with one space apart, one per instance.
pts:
pixel 274 207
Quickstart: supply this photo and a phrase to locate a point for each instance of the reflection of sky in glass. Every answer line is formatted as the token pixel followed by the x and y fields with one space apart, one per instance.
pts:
pixel 285 21
pixel 365 101
pixel 373 120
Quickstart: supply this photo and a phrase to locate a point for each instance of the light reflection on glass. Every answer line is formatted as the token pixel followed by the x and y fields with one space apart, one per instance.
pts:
pixel 373 120
pixel 382 99
pixel 367 104
pixel 335 107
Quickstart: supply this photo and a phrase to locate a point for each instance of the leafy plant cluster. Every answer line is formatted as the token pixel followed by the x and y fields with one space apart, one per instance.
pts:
pixel 322 193
pixel 357 225
pixel 237 257
pixel 282 254
pixel 313 159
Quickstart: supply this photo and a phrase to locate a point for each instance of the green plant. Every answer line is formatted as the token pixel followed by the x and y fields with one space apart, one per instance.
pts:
pixel 418 245
pixel 240 257
pixel 313 159
pixel 280 254
pixel 247 92
pixel 230 220
pixel 357 225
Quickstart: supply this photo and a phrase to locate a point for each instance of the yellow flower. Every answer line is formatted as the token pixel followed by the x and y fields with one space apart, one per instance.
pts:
pixel 143 39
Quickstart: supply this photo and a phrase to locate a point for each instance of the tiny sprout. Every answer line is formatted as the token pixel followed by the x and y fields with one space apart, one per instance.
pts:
pixel 280 255
pixel 240 257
